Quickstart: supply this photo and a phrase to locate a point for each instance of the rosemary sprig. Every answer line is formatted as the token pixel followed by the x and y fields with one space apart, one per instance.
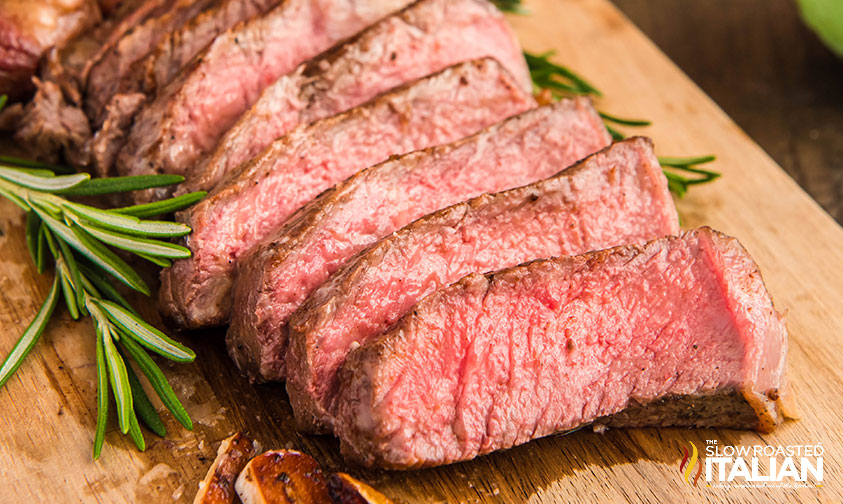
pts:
pixel 78 237
pixel 678 183
pixel 513 6
pixel 562 82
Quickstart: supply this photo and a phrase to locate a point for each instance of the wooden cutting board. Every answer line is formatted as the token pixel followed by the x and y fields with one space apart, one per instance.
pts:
pixel 47 411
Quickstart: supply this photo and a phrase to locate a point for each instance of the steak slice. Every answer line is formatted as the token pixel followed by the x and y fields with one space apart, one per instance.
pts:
pixel 425 37
pixel 177 49
pixel 105 76
pixel 616 196
pixel 188 116
pixel 30 27
pixel 683 324
pixel 278 274
pixel 172 53
pixel 247 207
pixel 63 69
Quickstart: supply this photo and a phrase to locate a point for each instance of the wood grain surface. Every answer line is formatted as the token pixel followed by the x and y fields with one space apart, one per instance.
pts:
pixel 47 411
pixel 769 72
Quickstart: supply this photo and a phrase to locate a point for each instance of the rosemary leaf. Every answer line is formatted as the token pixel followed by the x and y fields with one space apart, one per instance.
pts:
pixel 135 432
pixel 540 64
pixel 145 334
pixel 67 290
pixel 624 121
pixel 75 276
pixel 41 248
pixel 127 224
pixel 158 381
pixel 513 6
pixel 162 207
pixel 30 180
pixel 30 336
pixel 95 251
pixel 14 198
pixel 139 246
pixel 616 135
pixel 98 282
pixel 118 378
pixel 36 165
pixel 110 185
pixel 685 162
pixel 158 261
pixel 143 407
pixel 33 225
pixel 63 229
pixel 102 395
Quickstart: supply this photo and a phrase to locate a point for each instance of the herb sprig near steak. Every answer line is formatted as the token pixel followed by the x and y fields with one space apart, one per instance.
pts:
pixel 513 6
pixel 561 82
pixel 75 239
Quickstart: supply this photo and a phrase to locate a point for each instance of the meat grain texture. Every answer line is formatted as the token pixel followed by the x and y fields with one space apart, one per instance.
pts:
pixel 187 118
pixel 106 74
pixel 617 196
pixel 496 360
pixel 141 81
pixel 284 269
pixel 260 196
pixel 426 37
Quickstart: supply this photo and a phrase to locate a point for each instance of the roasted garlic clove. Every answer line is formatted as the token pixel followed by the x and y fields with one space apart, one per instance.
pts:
pixel 281 477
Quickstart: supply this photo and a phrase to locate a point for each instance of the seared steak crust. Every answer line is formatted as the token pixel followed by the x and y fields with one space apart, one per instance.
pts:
pixel 614 197
pixel 496 360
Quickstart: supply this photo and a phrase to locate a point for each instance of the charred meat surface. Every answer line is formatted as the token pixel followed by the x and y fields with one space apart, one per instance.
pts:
pixel 617 196
pixel 498 359
pixel 189 115
pixel 259 197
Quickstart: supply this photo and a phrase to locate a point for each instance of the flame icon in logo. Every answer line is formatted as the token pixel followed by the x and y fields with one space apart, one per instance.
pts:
pixel 687 470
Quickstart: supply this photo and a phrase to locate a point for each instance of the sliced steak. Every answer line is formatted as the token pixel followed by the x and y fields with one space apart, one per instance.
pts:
pixel 107 73
pixel 496 360
pixel 246 208
pixel 178 48
pixel 279 273
pixel 19 54
pixel 425 37
pixel 63 73
pixel 172 53
pixel 188 116
pixel 30 27
pixel 614 197
pixel 85 51
pixel 51 129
